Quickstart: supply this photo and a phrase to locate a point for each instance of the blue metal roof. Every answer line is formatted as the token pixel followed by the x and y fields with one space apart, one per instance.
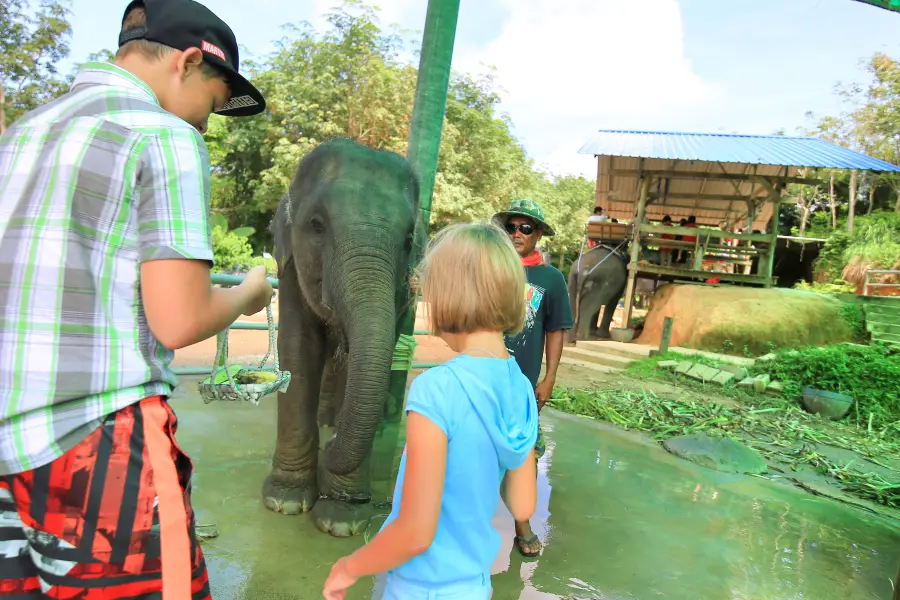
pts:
pixel 745 149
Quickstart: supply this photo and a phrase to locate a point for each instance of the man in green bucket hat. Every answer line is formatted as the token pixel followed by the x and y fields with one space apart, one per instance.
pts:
pixel 547 317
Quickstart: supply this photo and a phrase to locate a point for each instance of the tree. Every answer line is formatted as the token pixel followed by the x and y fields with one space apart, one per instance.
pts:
pixel 33 42
pixel 349 81
pixel 567 201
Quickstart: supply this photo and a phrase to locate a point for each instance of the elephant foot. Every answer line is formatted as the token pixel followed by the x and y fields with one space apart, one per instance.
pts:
pixel 288 500
pixel 340 518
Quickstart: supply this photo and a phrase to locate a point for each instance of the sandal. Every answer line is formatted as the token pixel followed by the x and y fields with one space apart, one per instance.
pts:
pixel 521 543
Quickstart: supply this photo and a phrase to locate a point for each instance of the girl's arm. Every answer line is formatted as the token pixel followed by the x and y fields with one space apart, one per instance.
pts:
pixel 519 489
pixel 420 506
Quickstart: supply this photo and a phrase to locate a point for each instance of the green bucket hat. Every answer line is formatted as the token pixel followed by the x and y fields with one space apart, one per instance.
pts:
pixel 525 207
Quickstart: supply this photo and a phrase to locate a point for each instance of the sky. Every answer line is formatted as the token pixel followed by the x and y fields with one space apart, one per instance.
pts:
pixel 567 68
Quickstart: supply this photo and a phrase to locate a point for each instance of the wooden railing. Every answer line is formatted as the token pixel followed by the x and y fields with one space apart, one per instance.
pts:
pixel 867 284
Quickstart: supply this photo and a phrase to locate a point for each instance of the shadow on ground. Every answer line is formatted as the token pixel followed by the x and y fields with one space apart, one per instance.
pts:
pixel 620 517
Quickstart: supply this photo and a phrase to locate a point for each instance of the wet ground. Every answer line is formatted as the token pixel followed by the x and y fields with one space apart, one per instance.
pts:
pixel 620 517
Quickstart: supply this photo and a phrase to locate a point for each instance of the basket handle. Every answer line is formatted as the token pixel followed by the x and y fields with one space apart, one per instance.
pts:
pixel 272 350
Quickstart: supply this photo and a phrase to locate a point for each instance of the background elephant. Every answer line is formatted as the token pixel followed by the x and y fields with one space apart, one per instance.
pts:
pixel 598 287
pixel 343 236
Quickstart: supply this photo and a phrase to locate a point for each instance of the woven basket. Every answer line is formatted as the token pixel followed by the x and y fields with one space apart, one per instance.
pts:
pixel 224 383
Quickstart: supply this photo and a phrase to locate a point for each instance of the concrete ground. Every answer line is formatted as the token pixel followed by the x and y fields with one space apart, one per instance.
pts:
pixel 620 518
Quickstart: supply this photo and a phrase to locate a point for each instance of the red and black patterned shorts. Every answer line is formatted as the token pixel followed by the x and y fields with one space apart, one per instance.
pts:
pixel 111 519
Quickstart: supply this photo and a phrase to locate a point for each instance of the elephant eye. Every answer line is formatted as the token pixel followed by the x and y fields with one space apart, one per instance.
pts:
pixel 317 223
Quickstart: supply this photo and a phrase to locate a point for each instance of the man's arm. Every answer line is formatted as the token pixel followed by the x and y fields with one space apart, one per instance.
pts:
pixel 553 345
pixel 558 320
pixel 183 308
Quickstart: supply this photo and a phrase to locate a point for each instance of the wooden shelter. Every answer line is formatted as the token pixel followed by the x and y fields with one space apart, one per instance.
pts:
pixel 733 179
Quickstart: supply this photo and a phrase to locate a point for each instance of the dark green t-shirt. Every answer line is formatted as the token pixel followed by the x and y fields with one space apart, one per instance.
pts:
pixel 546 309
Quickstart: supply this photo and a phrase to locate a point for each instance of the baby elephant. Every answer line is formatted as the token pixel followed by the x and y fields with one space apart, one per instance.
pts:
pixel 343 237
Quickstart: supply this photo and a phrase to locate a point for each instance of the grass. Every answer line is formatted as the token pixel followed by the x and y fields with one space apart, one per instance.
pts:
pixel 646 369
pixel 778 429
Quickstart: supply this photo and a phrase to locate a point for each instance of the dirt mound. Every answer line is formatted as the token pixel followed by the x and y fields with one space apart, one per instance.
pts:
pixel 716 318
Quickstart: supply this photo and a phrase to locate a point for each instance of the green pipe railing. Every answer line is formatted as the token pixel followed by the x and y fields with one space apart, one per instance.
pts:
pixel 206 370
pixel 263 326
pixel 222 279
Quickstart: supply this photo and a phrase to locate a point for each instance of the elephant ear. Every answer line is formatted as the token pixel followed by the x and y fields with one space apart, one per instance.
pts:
pixel 281 234
pixel 420 237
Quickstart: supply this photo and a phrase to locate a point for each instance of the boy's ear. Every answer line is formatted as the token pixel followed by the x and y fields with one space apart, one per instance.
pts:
pixel 190 59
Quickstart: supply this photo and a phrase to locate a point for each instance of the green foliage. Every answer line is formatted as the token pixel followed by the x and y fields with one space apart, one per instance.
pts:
pixel 567 201
pixel 838 286
pixel 874 243
pixel 871 374
pixel 33 41
pixel 855 317
pixel 233 252
pixel 830 264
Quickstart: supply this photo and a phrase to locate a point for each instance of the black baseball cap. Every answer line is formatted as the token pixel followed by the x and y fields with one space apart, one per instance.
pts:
pixel 183 24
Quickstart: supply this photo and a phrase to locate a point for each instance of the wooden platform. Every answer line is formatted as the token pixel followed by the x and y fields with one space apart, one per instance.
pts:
pixel 670 274
pixel 608 231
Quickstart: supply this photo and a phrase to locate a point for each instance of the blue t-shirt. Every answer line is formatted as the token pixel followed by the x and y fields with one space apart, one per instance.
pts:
pixel 487 409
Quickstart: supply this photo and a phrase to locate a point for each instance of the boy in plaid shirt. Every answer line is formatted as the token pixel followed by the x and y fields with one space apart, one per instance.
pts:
pixel 105 254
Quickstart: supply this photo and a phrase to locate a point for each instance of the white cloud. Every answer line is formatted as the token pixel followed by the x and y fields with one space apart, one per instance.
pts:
pixel 569 68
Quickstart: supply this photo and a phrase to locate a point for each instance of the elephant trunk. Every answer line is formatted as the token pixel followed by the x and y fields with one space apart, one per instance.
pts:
pixel 366 295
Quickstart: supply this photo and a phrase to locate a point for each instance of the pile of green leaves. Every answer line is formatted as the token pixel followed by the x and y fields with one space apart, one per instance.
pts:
pixel 782 432
pixel 871 374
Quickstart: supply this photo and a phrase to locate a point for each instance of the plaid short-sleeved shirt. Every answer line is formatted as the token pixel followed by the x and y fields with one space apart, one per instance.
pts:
pixel 91 185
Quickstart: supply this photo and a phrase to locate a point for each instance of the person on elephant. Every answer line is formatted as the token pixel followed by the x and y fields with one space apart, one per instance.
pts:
pixel 665 253
pixel 688 253
pixel 106 273
pixel 471 428
pixel 548 316
pixel 680 252
pixel 597 217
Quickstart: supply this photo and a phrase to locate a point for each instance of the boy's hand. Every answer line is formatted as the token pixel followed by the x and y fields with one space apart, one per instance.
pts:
pixel 259 290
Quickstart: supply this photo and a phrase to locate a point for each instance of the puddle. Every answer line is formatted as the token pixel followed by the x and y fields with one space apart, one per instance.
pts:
pixel 621 519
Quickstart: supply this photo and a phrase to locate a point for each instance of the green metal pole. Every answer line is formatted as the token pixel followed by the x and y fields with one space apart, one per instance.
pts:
pixel 425 137
pixel 431 96
pixel 424 144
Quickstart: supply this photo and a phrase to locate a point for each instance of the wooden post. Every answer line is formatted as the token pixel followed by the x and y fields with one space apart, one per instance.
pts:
pixel 666 334
pixel 635 252
pixel 697 259
pixel 773 241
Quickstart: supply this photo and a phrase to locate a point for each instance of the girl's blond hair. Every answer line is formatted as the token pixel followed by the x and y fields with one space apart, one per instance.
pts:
pixel 472 279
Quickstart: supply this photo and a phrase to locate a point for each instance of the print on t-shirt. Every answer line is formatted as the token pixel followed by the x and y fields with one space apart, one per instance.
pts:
pixel 533 296
pixel 546 309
